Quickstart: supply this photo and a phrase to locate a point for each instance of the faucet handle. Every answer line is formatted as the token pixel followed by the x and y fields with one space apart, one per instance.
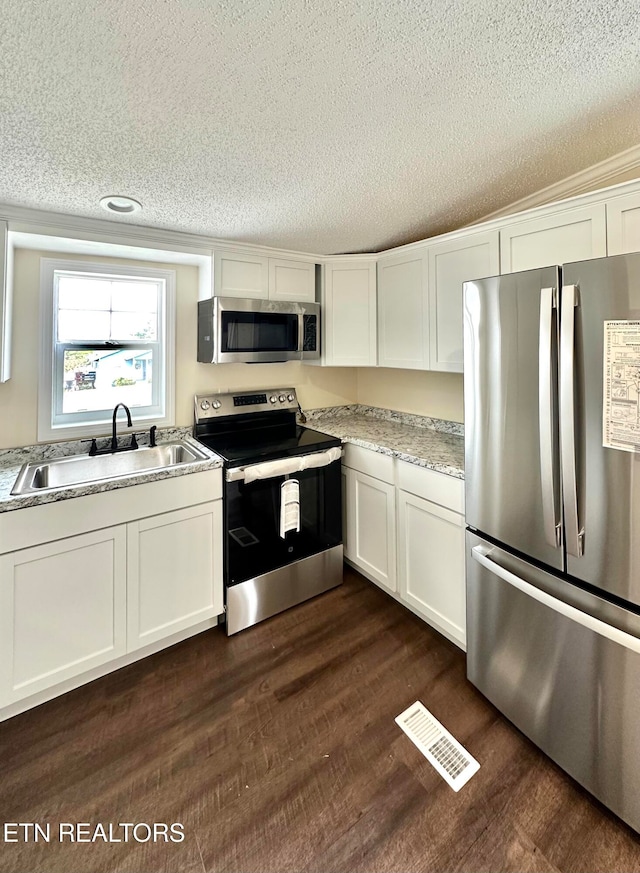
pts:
pixel 152 435
pixel 93 450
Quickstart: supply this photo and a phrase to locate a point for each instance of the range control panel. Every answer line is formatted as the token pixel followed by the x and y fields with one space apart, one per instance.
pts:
pixel 209 406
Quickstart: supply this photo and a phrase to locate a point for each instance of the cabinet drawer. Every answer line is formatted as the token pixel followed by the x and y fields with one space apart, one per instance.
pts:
pixel 430 485
pixel 367 461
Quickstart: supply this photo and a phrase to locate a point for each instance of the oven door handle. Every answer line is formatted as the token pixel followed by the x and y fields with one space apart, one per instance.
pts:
pixel 283 466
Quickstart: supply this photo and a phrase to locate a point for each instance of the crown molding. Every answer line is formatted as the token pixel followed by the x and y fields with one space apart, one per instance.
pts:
pixel 585 181
pixel 24 219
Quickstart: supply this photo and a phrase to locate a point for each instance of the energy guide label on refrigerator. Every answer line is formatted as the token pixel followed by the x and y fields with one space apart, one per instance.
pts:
pixel 621 386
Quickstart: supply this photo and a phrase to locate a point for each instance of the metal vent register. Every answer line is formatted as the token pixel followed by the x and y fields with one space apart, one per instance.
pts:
pixel 444 753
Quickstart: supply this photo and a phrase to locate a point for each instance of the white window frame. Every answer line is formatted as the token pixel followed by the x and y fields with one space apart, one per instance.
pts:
pixel 74 425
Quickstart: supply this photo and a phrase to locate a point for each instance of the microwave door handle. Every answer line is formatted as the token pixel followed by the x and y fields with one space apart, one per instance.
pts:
pixel 546 419
pixel 300 333
pixel 574 534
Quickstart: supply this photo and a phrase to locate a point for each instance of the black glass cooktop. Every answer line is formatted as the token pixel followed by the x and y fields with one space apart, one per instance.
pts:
pixel 253 445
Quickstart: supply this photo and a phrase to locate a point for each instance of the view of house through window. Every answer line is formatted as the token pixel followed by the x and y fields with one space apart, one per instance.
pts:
pixel 97 379
pixel 108 344
pixel 110 313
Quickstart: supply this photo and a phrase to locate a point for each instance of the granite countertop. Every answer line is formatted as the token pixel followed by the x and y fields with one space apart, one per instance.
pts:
pixel 11 461
pixel 426 442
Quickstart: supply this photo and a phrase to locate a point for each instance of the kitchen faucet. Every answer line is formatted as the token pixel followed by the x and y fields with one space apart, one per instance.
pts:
pixel 113 445
pixel 114 439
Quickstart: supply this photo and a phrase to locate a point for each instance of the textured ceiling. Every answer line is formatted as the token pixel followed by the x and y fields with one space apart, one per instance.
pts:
pixel 325 125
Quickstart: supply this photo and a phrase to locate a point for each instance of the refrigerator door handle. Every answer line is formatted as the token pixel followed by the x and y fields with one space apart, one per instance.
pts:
pixel 547 424
pixel 574 534
pixel 481 555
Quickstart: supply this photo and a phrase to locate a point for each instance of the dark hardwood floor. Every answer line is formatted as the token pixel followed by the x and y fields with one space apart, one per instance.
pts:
pixel 278 751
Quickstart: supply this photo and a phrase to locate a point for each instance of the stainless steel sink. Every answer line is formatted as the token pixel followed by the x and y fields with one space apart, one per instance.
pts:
pixel 79 469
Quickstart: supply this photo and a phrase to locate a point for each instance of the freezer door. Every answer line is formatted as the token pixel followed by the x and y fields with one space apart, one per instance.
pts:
pixel 512 475
pixel 600 402
pixel 563 666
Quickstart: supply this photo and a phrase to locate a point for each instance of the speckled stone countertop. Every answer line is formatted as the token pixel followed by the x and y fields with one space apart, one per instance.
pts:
pixel 11 460
pixel 426 442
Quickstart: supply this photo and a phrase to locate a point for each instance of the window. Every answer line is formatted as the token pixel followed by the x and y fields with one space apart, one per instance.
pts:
pixel 107 338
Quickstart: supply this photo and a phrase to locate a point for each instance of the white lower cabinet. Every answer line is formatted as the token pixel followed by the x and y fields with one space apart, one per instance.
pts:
pixel 405 531
pixel 62 610
pixel 88 601
pixel 371 527
pixel 174 569
pixel 431 563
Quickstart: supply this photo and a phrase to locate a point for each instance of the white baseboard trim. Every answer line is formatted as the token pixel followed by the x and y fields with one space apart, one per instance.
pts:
pixel 84 678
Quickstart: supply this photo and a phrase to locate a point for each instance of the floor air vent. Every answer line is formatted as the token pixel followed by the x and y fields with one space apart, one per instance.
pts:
pixel 444 753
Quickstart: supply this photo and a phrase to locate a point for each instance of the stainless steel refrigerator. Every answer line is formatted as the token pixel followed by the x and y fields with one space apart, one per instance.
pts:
pixel 552 482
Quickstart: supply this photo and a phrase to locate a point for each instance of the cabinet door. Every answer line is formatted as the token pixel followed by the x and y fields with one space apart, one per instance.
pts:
pixel 292 280
pixel 175 572
pixel 431 563
pixel 451 264
pixel 574 235
pixel 349 314
pixel 5 304
pixel 623 225
pixel 62 610
pixel 403 311
pixel 371 522
pixel 239 275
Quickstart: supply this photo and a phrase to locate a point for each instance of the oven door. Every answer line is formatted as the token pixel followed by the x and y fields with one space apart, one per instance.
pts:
pixel 266 530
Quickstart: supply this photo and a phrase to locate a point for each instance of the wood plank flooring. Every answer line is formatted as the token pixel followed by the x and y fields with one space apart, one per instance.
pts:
pixel 277 750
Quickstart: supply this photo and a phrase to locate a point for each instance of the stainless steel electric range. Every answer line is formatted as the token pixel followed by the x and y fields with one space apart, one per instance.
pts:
pixel 282 502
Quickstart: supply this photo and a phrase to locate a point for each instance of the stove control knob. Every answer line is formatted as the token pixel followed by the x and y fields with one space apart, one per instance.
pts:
pixel 273 398
pixel 216 404
pixel 290 398
pixel 205 405
pixel 282 398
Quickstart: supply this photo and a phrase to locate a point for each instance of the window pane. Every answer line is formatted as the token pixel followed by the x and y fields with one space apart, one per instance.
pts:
pixel 80 292
pixel 134 325
pixel 98 379
pixel 82 324
pixel 140 296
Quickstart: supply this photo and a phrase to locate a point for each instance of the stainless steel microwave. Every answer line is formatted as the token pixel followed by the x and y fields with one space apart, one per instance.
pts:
pixel 235 330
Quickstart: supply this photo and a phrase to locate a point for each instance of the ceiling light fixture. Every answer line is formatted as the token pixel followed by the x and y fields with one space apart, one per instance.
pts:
pixel 120 205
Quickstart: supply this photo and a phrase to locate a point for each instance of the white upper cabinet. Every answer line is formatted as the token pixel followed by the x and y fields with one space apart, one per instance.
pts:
pixel 623 224
pixel 556 238
pixel 349 314
pixel 5 305
pixel 292 280
pixel 450 264
pixel 403 311
pixel 240 275
pixel 236 274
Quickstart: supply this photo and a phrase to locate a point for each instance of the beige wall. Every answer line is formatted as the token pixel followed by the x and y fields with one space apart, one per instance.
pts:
pixel 316 386
pixel 422 393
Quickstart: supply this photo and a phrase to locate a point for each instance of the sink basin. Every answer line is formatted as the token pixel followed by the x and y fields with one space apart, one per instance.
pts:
pixel 80 469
